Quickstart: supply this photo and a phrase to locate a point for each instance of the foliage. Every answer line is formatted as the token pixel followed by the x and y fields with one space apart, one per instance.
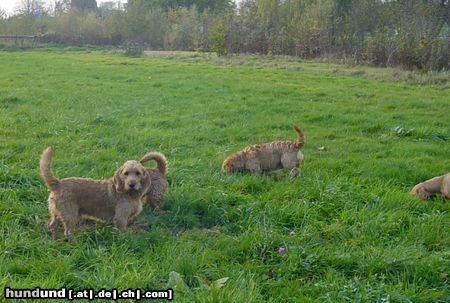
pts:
pixel 219 37
pixel 412 34
pixel 202 5
pixel 185 29
pixel 84 5
pixel 134 50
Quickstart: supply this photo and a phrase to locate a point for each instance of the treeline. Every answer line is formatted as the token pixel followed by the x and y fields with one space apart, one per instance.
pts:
pixel 410 33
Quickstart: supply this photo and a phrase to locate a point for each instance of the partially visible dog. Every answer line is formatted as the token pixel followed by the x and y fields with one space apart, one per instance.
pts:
pixel 266 157
pixel 155 193
pixel 115 200
pixel 437 186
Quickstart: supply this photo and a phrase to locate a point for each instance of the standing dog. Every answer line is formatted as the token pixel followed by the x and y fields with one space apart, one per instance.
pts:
pixel 266 157
pixel 115 200
pixel 433 187
pixel 155 193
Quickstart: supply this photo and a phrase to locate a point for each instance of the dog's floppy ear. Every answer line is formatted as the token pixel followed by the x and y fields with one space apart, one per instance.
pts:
pixel 118 183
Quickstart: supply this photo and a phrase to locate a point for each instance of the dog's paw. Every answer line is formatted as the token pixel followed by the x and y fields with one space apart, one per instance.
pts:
pixel 295 172
pixel 140 226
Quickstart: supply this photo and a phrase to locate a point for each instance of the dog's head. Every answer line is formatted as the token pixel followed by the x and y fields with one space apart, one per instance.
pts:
pixel 421 192
pixel 234 163
pixel 131 177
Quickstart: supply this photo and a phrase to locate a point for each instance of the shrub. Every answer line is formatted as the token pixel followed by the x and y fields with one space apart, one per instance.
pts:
pixel 134 50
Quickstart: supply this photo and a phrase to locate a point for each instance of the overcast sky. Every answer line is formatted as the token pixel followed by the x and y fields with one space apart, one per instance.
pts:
pixel 9 6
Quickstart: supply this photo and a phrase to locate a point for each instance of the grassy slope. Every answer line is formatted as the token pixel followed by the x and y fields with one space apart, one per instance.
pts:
pixel 359 235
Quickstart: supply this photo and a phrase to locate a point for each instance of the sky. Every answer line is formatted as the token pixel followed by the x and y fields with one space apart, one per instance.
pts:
pixel 10 6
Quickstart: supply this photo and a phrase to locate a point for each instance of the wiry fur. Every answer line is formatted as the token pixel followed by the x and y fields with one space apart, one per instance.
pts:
pixel 155 193
pixel 266 157
pixel 433 187
pixel 115 200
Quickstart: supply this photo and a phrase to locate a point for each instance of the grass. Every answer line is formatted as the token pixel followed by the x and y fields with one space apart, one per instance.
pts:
pixel 359 235
pixel 320 65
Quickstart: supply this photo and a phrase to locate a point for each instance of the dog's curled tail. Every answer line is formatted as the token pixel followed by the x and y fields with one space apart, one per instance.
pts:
pixel 301 139
pixel 161 161
pixel 46 172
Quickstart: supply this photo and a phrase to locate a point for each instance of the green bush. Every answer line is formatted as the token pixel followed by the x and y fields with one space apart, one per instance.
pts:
pixel 134 50
pixel 218 38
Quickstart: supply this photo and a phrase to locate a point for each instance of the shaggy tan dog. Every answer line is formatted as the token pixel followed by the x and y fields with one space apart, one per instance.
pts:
pixel 114 200
pixel 433 187
pixel 155 193
pixel 266 157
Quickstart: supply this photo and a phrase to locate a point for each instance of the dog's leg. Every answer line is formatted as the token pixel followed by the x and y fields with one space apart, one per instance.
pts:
pixel 156 204
pixel 69 218
pixel 121 217
pixel 153 198
pixel 53 225
pixel 294 172
pixel 155 195
pixel 290 161
pixel 140 226
pixel 121 223
pixel 256 170
pixel 253 165
pixel 69 226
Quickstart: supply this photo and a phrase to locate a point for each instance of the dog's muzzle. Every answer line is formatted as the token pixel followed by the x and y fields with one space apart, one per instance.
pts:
pixel 133 186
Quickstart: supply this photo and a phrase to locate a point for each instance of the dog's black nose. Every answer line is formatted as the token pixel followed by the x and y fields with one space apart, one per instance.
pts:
pixel 132 185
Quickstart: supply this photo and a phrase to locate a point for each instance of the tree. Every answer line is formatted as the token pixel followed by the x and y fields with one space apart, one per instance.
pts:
pixel 215 6
pixel 84 5
pixel 61 6
pixel 33 8
pixel 2 14
pixel 339 22
pixel 106 9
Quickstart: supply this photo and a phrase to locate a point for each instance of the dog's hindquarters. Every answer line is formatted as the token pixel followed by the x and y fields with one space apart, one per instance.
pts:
pixel 155 194
pixel 53 185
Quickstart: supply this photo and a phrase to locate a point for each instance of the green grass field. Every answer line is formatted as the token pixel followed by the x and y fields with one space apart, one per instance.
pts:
pixel 359 235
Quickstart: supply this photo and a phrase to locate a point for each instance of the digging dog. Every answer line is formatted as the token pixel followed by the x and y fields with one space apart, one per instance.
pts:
pixel 437 186
pixel 259 158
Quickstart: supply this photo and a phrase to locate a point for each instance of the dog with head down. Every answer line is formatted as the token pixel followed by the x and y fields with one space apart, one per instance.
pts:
pixel 259 158
pixel 437 186
pixel 116 200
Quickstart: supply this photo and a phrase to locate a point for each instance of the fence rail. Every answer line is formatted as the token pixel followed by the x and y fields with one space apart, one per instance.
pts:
pixel 18 37
pixel 22 41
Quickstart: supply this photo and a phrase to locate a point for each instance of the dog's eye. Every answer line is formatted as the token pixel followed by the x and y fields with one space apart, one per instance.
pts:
pixel 126 173
pixel 138 174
